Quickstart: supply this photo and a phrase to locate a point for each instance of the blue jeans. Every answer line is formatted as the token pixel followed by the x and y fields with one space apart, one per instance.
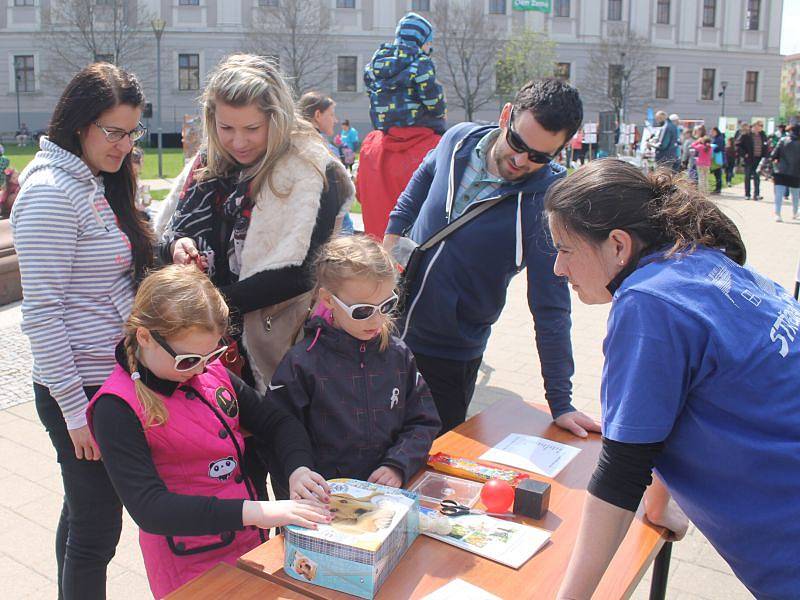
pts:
pixel 780 190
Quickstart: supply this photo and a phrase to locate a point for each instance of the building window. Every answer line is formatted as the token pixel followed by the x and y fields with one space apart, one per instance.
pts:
pixel 561 8
pixel 615 10
pixel 662 12
pixel 707 88
pixel 188 72
pixel 345 3
pixel 268 3
pixel 497 7
pixel 709 13
pixel 347 73
pixel 662 82
pixel 188 2
pixel 562 71
pixel 24 73
pixel 753 14
pixel 24 3
pixel 751 87
pixel 107 58
pixel 421 5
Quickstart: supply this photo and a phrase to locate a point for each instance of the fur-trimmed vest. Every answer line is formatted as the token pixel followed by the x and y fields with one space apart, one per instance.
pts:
pixel 279 236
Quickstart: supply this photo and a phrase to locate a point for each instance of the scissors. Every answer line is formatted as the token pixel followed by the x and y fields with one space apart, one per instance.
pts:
pixel 451 508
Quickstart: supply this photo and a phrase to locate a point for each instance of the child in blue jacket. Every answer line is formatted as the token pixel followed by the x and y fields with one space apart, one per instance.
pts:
pixel 401 80
pixel 355 386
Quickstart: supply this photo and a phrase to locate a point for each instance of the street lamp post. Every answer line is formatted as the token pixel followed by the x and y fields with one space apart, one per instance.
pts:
pixel 158 29
pixel 724 86
pixel 17 79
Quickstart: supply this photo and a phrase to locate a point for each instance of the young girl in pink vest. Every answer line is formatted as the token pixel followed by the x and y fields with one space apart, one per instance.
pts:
pixel 170 423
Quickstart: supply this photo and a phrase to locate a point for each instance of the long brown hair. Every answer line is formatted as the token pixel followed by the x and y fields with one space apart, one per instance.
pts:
pixel 170 301
pixel 96 89
pixel 660 210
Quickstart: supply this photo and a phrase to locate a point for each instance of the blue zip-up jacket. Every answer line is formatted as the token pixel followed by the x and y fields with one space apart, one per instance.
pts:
pixel 461 287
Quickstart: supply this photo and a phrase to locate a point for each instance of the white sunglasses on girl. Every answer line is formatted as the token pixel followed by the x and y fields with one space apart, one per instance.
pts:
pixel 362 312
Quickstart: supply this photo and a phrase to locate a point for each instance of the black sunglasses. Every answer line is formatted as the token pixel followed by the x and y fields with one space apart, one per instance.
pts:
pixel 187 362
pixel 516 143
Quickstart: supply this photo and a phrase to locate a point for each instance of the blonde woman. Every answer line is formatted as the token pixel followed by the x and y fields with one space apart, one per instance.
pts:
pixel 253 207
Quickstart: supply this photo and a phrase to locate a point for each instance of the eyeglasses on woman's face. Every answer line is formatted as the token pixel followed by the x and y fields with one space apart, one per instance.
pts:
pixel 114 135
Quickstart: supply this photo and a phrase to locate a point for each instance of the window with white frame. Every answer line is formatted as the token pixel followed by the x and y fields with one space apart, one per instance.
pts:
pixel 662 12
pixel 107 58
pixel 707 84
pixel 497 7
pixel 25 73
pixel 345 3
pixel 188 72
pixel 268 3
pixel 751 86
pixel 24 3
pixel 561 8
pixel 614 10
pixel 188 2
pixel 709 13
pixel 662 82
pixel 753 14
pixel 346 73
pixel 421 5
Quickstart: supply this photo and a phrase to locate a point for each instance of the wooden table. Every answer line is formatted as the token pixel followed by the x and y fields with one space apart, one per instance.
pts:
pixel 429 564
pixel 225 581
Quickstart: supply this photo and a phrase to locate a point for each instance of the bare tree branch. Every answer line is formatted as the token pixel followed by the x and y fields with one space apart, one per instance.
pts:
pixel 79 32
pixel 470 42
pixel 297 34
pixel 619 74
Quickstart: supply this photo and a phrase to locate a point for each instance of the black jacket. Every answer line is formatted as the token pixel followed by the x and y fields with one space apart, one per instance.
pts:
pixel 787 153
pixel 747 142
pixel 362 407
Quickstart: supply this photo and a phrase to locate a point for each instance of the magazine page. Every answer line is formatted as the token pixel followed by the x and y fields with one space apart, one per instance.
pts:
pixel 506 542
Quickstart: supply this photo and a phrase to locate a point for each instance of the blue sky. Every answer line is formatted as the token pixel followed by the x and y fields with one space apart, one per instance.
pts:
pixel 790 36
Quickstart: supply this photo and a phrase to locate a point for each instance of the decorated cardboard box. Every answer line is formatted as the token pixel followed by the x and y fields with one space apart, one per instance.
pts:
pixel 373 526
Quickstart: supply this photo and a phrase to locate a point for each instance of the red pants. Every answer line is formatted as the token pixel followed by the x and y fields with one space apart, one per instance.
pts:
pixel 385 166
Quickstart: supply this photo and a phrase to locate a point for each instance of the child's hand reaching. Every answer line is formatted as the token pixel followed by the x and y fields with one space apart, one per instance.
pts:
pixel 305 483
pixel 305 513
pixel 386 476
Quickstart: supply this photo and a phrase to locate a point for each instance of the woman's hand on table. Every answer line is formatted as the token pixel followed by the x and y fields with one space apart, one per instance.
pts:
pixel 577 423
pixel 306 484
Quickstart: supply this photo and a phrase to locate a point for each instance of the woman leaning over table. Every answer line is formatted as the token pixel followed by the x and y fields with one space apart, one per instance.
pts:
pixel 700 377
pixel 82 245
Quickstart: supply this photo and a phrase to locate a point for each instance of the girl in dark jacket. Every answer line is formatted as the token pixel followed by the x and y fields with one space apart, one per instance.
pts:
pixel 355 386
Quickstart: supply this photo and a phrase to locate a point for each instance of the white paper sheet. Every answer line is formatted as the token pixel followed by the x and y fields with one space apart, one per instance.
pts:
pixel 531 453
pixel 458 589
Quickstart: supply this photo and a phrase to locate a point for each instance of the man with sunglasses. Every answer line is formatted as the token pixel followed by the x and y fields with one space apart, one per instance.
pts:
pixel 461 285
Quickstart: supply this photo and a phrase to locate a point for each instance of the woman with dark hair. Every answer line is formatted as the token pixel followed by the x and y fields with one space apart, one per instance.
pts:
pixel 82 246
pixel 700 377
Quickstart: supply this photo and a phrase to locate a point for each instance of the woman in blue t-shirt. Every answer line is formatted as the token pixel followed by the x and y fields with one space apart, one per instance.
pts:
pixel 700 378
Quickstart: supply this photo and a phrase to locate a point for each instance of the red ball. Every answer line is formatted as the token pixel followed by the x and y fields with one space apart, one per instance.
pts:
pixel 497 496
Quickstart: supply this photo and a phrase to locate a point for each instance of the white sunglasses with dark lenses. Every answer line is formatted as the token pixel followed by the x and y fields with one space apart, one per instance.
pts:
pixel 361 312
pixel 187 362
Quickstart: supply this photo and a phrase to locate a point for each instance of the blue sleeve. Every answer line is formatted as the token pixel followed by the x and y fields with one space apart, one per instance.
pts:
pixel 410 201
pixel 429 90
pixel 651 349
pixel 549 302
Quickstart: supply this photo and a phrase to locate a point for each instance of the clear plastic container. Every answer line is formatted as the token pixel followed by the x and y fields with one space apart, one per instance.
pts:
pixel 435 487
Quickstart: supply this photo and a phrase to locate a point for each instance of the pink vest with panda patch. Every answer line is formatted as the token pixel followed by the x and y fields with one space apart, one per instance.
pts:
pixel 197 452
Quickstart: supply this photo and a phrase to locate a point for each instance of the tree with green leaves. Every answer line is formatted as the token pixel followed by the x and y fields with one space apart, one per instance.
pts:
pixel 527 55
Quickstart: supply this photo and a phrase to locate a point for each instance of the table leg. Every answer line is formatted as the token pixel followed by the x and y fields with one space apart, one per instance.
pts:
pixel 658 586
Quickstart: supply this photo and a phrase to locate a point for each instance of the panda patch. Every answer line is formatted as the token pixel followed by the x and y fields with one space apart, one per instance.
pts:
pixel 227 401
pixel 221 469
